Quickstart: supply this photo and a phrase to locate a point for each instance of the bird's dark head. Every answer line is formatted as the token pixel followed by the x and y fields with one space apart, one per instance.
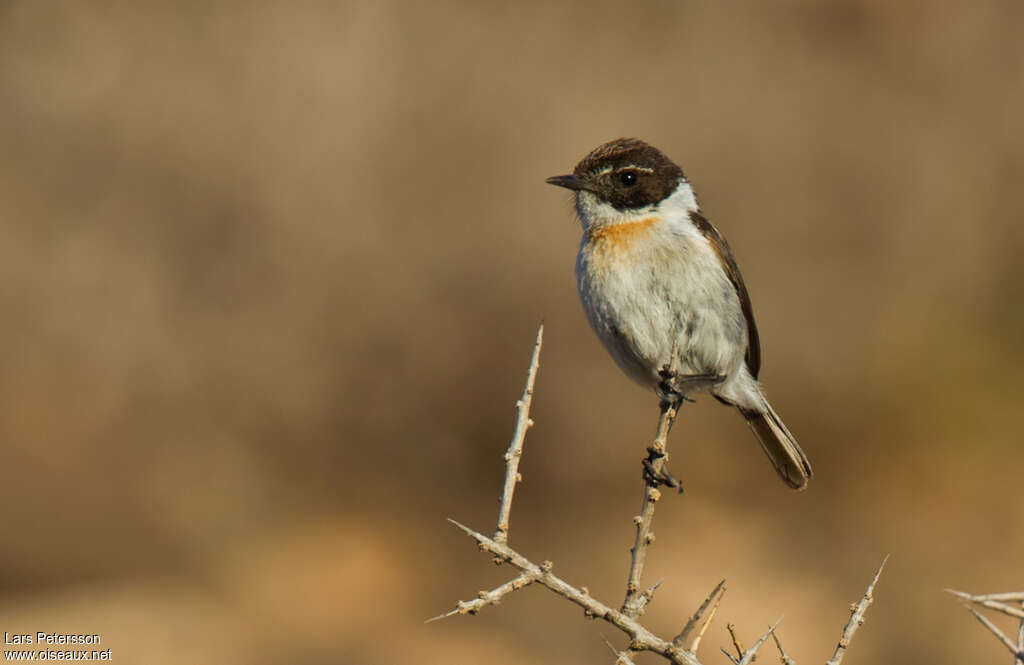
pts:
pixel 626 174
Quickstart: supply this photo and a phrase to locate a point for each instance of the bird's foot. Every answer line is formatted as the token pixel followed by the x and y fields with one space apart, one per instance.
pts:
pixel 657 475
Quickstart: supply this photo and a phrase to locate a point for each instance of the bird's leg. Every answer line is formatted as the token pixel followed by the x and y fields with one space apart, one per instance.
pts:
pixel 677 386
pixel 656 472
pixel 673 389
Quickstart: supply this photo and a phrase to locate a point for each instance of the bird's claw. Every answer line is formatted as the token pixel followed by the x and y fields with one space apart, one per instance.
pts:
pixel 655 477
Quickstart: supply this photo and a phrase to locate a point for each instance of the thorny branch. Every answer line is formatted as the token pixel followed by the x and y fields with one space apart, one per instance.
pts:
pixel 1000 603
pixel 750 655
pixel 636 601
pixel 641 639
pixel 856 618
pixel 711 617
pixel 625 619
pixel 515 448
pixel 1020 640
pixel 621 657
pixel 735 644
pixel 681 637
pixel 745 657
pixel 783 656
pixel 485 598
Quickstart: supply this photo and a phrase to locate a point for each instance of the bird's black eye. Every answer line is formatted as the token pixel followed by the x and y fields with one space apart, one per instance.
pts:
pixel 627 178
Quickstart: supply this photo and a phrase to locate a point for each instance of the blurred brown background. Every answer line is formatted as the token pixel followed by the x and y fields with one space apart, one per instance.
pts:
pixel 271 275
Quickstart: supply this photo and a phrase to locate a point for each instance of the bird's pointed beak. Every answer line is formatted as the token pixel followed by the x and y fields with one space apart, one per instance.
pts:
pixel 573 182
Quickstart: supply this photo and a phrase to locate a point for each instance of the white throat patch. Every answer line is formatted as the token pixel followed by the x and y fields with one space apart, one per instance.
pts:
pixel 593 212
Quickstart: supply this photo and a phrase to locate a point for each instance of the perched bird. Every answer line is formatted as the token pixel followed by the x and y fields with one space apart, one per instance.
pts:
pixel 661 289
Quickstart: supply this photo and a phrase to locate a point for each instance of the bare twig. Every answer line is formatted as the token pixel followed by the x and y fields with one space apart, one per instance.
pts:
pixel 994 601
pixel 685 632
pixel 856 618
pixel 515 448
pixel 1012 596
pixel 648 594
pixel 1020 639
pixel 995 630
pixel 1006 609
pixel 711 616
pixel 635 601
pixel 750 654
pixel 492 597
pixel 641 639
pixel 621 657
pixel 700 635
pixel 735 641
pixel 783 656
pixel 991 601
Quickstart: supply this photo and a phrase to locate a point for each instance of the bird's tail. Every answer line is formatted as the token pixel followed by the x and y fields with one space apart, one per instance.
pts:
pixel 782 449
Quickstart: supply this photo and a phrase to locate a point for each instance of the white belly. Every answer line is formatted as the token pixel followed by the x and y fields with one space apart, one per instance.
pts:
pixel 664 288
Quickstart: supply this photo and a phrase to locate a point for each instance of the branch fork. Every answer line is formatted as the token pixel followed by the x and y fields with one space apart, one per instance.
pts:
pixel 626 618
pixel 1011 604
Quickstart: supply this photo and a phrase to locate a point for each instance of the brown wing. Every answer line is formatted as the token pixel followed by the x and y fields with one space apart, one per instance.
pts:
pixel 721 247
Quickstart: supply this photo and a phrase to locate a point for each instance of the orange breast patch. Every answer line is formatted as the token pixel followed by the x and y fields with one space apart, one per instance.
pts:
pixel 618 236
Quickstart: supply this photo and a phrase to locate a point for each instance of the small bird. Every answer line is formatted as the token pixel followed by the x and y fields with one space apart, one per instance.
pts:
pixel 661 289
